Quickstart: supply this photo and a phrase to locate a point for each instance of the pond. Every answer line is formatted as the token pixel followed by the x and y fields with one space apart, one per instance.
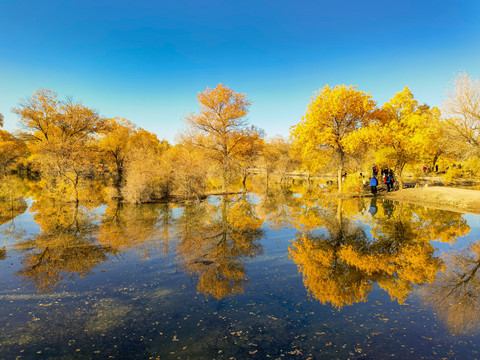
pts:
pixel 285 273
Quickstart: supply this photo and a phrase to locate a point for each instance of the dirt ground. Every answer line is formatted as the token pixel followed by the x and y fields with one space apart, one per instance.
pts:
pixel 440 197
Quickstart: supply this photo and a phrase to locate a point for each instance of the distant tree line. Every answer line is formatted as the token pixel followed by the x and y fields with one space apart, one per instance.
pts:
pixel 343 130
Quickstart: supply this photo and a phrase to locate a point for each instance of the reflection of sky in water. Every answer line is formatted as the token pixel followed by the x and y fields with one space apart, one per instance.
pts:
pixel 135 305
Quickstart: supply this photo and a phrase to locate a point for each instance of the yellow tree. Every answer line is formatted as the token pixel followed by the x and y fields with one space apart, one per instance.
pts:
pixel 276 156
pixel 47 118
pixel 11 149
pixel 144 168
pixel 188 170
pixel 248 154
pixel 221 127
pixel 332 115
pixel 405 132
pixel 115 146
pixel 59 133
pixel 12 198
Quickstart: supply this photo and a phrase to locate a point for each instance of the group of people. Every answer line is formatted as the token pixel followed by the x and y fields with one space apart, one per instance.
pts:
pixel 387 176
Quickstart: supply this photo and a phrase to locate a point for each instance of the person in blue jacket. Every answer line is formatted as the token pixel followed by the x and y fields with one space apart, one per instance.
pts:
pixel 373 184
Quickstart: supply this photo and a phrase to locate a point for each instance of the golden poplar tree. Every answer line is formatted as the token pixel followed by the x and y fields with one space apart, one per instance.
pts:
pixel 222 128
pixel 404 134
pixel 332 115
pixel 11 149
pixel 59 134
pixel 115 146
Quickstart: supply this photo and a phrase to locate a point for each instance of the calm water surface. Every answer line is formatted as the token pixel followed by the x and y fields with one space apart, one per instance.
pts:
pixel 283 274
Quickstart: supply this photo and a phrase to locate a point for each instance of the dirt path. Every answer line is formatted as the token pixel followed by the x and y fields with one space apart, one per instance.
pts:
pixel 440 197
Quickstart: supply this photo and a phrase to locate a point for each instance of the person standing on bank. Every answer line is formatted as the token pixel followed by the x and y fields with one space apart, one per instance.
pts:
pixel 389 182
pixel 373 185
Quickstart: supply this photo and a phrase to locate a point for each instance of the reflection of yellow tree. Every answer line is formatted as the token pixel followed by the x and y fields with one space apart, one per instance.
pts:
pixel 65 245
pixel 328 277
pixel 340 262
pixel 439 225
pixel 396 260
pixel 215 240
pixel 312 209
pixel 275 206
pixel 455 295
pixel 12 202
pixel 126 226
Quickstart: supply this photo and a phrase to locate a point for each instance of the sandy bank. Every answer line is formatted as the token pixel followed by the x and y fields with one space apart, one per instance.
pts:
pixel 439 197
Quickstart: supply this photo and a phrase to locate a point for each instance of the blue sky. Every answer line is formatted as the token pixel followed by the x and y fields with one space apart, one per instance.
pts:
pixel 147 60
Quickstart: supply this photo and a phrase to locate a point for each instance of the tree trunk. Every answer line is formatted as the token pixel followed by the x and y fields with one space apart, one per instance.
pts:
pixel 399 171
pixel 434 161
pixel 340 171
pixel 76 189
pixel 225 171
pixel 119 181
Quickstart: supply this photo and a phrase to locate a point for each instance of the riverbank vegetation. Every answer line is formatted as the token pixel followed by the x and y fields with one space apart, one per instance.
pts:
pixel 70 148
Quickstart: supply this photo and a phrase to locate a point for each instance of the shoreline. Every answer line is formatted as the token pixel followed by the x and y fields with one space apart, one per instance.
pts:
pixel 438 197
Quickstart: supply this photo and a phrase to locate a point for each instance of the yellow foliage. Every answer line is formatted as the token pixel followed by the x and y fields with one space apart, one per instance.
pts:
pixel 333 114
pixel 406 132
pixel 11 149
pixel 452 174
pixel 221 128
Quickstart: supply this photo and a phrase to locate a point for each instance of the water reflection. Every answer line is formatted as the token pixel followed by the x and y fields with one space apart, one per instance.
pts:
pixel 141 228
pixel 213 242
pixel 275 205
pixel 340 262
pixel 342 248
pixel 318 254
pixel 455 295
pixel 66 244
pixel 12 202
pixel 347 252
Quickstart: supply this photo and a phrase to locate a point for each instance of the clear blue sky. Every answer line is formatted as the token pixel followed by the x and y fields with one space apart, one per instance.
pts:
pixel 147 60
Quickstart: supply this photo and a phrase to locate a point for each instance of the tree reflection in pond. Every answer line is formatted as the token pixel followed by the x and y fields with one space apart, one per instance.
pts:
pixel 66 244
pixel 12 201
pixel 340 262
pixel 317 253
pixel 455 295
pixel 214 240
pixel 143 228
pixel 275 205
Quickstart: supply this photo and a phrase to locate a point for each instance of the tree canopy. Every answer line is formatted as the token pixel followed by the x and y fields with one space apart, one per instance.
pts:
pixel 332 115
pixel 221 128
